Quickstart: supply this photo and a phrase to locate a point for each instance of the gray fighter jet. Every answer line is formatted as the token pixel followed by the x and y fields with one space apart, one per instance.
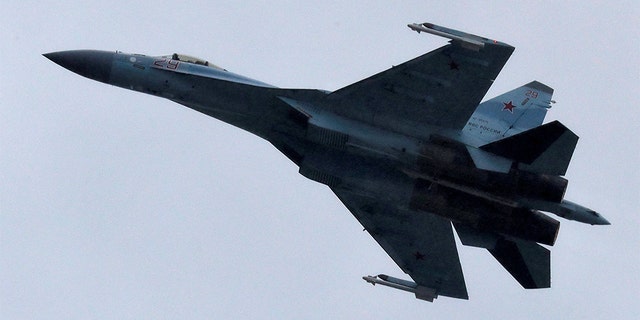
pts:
pixel 410 151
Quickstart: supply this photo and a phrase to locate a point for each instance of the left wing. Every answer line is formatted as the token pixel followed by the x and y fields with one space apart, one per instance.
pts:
pixel 441 88
pixel 422 244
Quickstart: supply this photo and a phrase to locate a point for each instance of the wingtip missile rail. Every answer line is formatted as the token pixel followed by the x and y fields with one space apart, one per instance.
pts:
pixel 421 292
pixel 466 40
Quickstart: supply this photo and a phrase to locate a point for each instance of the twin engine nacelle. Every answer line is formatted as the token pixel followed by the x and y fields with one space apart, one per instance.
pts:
pixel 452 163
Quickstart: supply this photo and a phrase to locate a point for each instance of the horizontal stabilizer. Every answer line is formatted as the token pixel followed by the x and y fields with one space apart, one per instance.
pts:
pixel 475 238
pixel 545 149
pixel 555 160
pixel 528 262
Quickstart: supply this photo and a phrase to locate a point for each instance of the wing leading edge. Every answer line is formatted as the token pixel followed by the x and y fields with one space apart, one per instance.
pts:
pixel 422 244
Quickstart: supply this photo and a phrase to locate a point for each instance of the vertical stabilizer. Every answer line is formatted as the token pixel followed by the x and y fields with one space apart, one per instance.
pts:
pixel 510 113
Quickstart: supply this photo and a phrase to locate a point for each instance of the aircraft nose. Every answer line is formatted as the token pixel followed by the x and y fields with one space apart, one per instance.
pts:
pixel 602 221
pixel 92 64
pixel 597 219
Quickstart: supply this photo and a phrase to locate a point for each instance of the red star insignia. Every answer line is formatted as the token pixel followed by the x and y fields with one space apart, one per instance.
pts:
pixel 508 106
pixel 419 255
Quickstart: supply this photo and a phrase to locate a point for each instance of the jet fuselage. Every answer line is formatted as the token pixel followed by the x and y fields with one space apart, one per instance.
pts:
pixel 396 151
pixel 324 145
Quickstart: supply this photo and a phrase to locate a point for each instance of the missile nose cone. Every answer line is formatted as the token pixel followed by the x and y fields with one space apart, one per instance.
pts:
pixel 92 64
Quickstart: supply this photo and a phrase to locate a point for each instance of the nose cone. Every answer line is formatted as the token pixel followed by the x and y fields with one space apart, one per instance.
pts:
pixel 599 220
pixel 92 64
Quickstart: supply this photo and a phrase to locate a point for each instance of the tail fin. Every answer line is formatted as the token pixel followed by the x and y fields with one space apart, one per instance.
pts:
pixel 510 113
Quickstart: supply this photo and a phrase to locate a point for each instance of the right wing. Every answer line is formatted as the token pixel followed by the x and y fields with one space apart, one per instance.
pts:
pixel 422 244
pixel 441 88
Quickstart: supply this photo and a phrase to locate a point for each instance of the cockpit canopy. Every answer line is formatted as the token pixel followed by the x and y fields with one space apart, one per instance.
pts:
pixel 194 60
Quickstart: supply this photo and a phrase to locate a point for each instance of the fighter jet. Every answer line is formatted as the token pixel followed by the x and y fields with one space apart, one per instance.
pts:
pixel 412 151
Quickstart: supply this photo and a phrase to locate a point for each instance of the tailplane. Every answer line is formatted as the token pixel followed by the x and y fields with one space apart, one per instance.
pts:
pixel 513 112
pixel 546 149
pixel 528 262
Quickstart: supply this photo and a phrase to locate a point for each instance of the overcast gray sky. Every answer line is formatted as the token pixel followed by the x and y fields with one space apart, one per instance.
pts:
pixel 117 205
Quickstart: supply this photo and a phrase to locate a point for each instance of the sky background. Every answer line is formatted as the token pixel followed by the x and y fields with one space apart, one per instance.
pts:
pixel 118 205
